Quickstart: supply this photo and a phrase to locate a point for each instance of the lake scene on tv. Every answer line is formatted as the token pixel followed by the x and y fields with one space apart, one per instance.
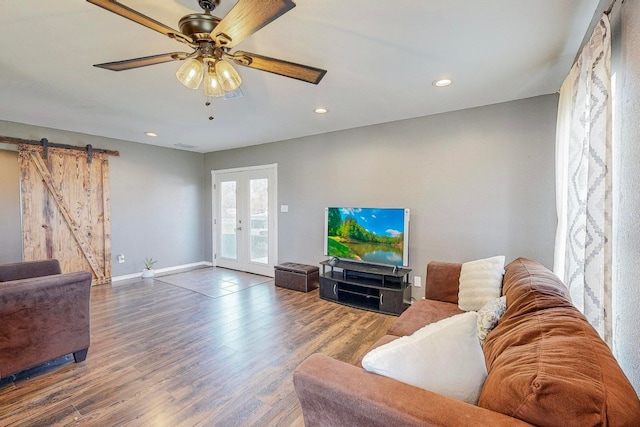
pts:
pixel 373 235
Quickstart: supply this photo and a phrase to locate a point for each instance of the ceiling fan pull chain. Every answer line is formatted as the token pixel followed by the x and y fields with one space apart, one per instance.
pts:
pixel 208 104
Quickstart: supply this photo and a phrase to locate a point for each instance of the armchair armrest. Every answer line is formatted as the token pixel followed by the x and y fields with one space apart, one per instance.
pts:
pixel 334 393
pixel 43 318
pixel 29 269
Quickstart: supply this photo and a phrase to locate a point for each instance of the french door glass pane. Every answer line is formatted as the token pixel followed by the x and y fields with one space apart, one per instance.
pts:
pixel 259 224
pixel 228 205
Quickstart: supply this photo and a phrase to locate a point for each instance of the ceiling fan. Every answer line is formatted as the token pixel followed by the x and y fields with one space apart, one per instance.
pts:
pixel 212 39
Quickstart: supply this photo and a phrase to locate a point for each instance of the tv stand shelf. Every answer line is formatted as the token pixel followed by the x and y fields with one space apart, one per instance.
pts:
pixel 381 288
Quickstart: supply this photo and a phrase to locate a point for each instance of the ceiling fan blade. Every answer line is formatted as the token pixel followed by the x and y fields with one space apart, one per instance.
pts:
pixel 278 66
pixel 135 16
pixel 247 17
pixel 129 64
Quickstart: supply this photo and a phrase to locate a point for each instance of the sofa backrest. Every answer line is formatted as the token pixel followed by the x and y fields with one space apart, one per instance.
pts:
pixel 442 281
pixel 29 269
pixel 546 364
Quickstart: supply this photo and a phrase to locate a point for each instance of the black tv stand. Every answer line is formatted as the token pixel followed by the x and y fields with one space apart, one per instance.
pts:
pixel 375 287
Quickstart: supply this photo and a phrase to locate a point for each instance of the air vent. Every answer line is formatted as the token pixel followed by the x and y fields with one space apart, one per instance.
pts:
pixel 185 146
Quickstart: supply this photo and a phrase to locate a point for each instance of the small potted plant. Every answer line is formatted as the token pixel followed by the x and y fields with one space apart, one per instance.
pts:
pixel 148 268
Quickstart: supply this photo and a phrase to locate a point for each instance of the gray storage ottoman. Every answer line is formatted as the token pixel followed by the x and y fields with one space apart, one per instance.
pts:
pixel 299 277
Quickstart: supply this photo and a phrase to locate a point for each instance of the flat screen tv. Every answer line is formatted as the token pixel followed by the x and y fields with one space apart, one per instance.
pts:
pixel 372 235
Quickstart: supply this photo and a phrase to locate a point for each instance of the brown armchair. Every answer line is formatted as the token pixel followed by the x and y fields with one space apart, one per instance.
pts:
pixel 44 314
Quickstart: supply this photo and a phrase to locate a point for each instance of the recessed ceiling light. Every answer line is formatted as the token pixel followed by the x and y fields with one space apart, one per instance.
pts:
pixel 442 82
pixel 151 134
pixel 321 110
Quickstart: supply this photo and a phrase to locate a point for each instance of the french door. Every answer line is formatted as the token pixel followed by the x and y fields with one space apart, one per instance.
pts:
pixel 244 217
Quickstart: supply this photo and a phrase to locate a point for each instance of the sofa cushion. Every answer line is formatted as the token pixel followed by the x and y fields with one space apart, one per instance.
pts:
pixel 489 315
pixel 444 357
pixel 480 282
pixel 421 313
pixel 547 365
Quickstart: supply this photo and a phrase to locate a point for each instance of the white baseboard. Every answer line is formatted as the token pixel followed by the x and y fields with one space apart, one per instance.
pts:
pixel 164 270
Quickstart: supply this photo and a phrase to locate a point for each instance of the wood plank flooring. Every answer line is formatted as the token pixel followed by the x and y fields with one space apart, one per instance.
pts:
pixel 209 347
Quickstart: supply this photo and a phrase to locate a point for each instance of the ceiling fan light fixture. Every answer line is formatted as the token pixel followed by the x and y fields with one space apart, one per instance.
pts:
pixel 227 76
pixel 190 73
pixel 212 86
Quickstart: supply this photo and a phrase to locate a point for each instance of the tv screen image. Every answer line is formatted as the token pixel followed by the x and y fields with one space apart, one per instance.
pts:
pixel 372 235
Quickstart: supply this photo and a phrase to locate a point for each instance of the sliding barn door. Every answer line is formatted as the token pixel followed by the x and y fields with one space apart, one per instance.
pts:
pixel 65 209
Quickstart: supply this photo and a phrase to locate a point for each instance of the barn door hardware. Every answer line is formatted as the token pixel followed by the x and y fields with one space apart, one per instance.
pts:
pixel 45 144
pixel 45 148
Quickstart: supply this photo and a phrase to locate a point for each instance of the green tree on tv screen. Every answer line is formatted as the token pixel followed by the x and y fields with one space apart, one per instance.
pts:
pixel 350 230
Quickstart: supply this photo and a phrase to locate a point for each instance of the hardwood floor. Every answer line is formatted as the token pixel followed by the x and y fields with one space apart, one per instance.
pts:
pixel 210 347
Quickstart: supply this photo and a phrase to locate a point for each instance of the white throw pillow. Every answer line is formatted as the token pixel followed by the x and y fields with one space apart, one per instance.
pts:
pixel 480 282
pixel 489 315
pixel 444 357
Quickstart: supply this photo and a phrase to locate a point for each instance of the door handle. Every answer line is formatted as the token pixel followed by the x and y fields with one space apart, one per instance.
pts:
pixel 381 295
pixel 335 285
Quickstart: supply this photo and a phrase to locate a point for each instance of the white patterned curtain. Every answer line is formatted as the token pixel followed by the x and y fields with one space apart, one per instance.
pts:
pixel 583 256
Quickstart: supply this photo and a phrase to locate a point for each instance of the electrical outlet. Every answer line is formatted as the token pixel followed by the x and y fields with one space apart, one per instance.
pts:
pixel 120 258
pixel 417 281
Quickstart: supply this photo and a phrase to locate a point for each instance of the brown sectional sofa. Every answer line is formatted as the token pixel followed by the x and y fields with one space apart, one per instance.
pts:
pixel 44 314
pixel 546 366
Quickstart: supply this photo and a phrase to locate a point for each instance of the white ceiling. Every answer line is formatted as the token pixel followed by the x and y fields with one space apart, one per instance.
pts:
pixel 381 59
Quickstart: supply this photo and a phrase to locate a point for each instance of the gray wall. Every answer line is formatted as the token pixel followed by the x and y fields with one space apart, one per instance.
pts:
pixel 626 268
pixel 156 200
pixel 10 223
pixel 479 182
